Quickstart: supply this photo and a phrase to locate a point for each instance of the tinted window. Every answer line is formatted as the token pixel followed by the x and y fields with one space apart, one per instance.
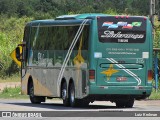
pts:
pixel 39 37
pixel 121 30
pixel 57 37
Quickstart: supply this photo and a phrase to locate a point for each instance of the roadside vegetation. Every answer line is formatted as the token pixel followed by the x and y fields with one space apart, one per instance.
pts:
pixel 155 95
pixel 14 93
pixel 12 78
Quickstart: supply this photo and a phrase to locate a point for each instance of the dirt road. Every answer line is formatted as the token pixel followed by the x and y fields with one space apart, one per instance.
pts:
pixel 9 85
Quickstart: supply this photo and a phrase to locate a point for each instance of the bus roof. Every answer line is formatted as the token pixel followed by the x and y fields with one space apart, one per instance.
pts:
pixel 89 15
pixel 79 16
pixel 72 18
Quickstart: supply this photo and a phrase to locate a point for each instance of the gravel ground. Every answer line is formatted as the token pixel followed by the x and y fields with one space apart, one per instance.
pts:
pixel 9 85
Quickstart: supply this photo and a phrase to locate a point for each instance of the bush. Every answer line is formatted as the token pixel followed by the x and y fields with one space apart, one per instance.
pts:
pixel 12 93
pixel 11 34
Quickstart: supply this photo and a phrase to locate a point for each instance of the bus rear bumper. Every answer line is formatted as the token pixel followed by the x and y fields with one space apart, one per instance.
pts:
pixel 121 90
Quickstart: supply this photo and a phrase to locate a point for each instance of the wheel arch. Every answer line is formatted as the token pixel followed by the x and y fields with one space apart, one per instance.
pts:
pixel 62 82
pixel 71 81
pixel 29 81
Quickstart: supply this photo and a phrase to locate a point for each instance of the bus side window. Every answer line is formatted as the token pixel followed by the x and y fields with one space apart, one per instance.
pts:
pixel 25 48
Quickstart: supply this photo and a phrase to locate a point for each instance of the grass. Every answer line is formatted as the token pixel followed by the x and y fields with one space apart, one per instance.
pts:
pixel 155 95
pixel 12 93
pixel 14 78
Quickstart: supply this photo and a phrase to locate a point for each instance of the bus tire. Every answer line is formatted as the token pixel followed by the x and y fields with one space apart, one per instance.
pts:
pixel 34 99
pixel 125 103
pixel 64 94
pixel 129 103
pixel 72 100
pixel 120 104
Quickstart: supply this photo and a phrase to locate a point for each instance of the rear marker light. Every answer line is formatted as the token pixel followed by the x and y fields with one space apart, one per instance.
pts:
pixel 91 74
pixel 122 16
pixel 116 17
pixel 150 75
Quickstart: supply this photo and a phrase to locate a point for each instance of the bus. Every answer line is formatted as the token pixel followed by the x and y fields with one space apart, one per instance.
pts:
pixel 84 58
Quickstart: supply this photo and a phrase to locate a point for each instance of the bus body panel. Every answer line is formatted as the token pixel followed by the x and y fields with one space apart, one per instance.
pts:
pixel 43 66
pixel 46 85
pixel 110 72
pixel 123 64
pixel 121 90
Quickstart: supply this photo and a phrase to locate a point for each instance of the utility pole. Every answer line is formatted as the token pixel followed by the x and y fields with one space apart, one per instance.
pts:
pixel 152 13
pixel 152 9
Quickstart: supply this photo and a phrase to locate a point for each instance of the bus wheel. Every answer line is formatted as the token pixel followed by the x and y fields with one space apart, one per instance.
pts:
pixel 34 99
pixel 64 94
pixel 72 99
pixel 125 103
pixel 120 104
pixel 129 103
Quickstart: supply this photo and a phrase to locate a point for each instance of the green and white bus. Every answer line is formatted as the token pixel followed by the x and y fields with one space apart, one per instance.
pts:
pixel 87 57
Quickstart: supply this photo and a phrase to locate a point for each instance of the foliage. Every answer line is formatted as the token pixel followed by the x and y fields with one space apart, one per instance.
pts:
pixel 156 43
pixel 155 95
pixel 52 8
pixel 11 34
pixel 157 33
pixel 12 93
pixel 12 78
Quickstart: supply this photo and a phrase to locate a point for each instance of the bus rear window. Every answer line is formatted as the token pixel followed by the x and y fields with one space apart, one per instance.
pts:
pixel 113 29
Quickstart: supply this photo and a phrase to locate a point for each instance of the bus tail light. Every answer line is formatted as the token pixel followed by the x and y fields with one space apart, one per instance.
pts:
pixel 116 17
pixel 150 75
pixel 127 17
pixel 122 16
pixel 91 75
pixel 145 18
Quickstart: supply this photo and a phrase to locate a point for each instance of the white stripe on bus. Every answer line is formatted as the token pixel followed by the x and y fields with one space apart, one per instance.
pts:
pixel 123 66
pixel 139 80
pixel 69 52
pixel 126 70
